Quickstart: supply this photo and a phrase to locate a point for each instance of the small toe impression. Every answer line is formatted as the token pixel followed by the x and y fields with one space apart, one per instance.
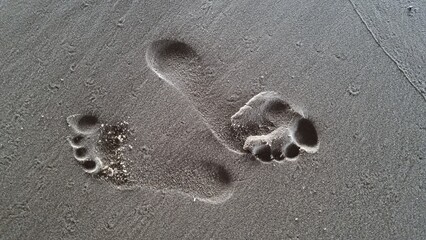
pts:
pixel 81 154
pixel 84 124
pixel 89 165
pixel 277 154
pixel 92 165
pixel 262 152
pixel 76 141
pixel 291 151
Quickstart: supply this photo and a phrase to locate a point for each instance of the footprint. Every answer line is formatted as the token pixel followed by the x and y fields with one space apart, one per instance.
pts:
pixel 104 150
pixel 269 123
pixel 265 119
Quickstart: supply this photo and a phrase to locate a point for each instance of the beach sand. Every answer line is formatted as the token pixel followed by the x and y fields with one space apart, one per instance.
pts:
pixel 122 119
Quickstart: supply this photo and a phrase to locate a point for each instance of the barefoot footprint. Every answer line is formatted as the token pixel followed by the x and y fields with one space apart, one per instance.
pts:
pixel 264 119
pixel 103 149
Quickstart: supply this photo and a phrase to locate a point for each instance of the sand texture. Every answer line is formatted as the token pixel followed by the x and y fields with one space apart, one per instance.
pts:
pixel 213 119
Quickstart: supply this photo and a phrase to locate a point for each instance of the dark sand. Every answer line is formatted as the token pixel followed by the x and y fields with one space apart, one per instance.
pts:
pixel 356 69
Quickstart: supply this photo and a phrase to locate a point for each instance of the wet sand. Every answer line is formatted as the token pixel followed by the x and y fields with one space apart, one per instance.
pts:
pixel 356 70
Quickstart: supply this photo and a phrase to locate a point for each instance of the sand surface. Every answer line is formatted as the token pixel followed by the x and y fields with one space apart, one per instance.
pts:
pixel 356 69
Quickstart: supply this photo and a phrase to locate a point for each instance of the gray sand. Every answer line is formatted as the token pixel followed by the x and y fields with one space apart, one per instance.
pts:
pixel 356 69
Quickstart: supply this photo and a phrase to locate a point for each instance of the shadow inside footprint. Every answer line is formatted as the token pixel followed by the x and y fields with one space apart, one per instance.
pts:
pixel 276 106
pixel 262 152
pixel 76 141
pixel 305 133
pixel 84 124
pixel 277 154
pixel 172 61
pixel 87 121
pixel 169 48
pixel 291 151
pixel 219 173
pixel 89 165
pixel 81 153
